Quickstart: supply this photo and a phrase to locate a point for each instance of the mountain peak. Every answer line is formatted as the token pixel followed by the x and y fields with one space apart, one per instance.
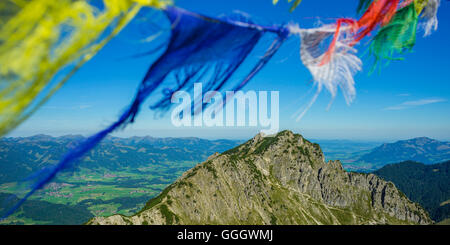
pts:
pixel 39 137
pixel 423 140
pixel 285 142
pixel 279 179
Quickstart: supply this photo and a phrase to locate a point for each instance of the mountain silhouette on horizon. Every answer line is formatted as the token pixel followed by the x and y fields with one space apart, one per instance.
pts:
pixel 421 149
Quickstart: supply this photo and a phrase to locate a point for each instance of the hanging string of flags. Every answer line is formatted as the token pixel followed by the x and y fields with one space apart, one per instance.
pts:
pixel 40 38
pixel 195 51
pixel 393 23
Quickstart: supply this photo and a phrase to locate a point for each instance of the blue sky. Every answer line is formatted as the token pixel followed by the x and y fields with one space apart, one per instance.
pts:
pixel 406 99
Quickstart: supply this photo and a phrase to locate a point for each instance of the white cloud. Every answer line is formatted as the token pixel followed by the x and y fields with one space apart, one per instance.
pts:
pixel 414 103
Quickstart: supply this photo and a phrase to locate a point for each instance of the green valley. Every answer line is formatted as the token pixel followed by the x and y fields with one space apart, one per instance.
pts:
pixel 119 176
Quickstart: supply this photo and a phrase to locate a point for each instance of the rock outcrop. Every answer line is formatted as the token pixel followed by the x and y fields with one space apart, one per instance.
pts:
pixel 282 179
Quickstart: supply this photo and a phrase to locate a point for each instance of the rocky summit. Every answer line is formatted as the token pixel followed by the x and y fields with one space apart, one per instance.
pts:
pixel 282 179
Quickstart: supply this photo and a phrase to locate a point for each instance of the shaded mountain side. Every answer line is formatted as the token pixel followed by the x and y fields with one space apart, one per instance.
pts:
pixel 428 185
pixel 21 156
pixel 275 180
pixel 43 212
pixel 422 149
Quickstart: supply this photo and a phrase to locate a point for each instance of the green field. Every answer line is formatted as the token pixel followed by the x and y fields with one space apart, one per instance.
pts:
pixel 74 198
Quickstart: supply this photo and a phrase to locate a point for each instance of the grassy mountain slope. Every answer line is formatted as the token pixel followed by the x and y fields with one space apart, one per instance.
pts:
pixel 275 180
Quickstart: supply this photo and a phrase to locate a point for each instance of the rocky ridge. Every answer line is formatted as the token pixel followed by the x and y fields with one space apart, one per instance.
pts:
pixel 282 179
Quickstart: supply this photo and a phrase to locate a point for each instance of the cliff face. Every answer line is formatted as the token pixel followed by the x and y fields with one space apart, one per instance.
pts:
pixel 275 180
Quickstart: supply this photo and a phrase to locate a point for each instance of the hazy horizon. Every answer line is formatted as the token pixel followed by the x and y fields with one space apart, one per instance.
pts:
pixel 215 137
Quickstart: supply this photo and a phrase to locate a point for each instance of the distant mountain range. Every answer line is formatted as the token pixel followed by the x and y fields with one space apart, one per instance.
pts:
pixel 424 150
pixel 282 179
pixel 428 185
pixel 19 157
